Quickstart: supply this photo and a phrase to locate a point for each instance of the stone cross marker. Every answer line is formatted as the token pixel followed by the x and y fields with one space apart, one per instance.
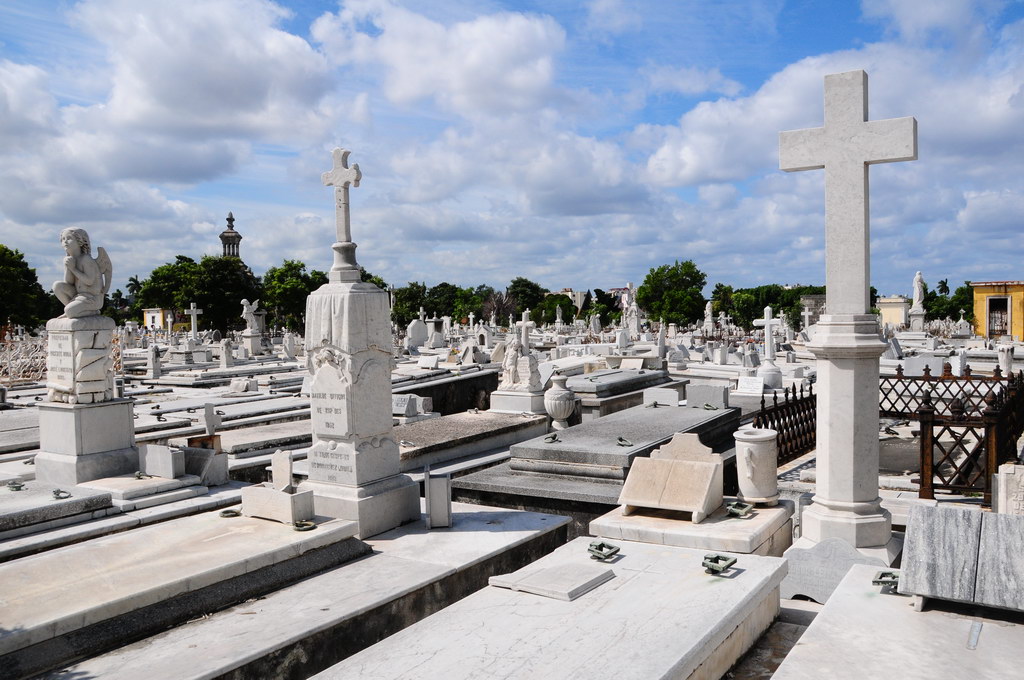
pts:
pixel 194 313
pixel 844 147
pixel 525 326
pixel 341 177
pixel 769 324
pixel 806 314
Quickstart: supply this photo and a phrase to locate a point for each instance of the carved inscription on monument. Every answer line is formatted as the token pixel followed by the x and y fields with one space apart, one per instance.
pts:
pixel 60 360
pixel 331 465
pixel 329 404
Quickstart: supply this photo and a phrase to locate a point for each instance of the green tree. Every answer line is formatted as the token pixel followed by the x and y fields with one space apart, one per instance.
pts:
pixel 406 302
pixel 721 298
pixel 217 284
pixel 673 292
pixel 962 298
pixel 467 302
pixel 546 312
pixel 943 287
pixel 744 309
pixel 526 293
pixel 24 301
pixel 285 290
pixel 606 306
pixel 441 299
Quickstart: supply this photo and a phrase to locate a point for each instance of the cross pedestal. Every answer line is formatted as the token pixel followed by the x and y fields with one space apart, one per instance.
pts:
pixel 768 371
pixel 846 504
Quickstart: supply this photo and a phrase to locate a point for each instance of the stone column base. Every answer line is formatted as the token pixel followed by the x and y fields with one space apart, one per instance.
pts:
pixel 252 343
pixel 517 402
pixel 378 507
pixel 82 442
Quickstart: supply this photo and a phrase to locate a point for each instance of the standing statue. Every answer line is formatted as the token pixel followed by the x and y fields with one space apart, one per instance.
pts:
pixel 249 314
pixel 86 280
pixel 558 314
pixel 918 303
pixel 708 313
pixel 510 364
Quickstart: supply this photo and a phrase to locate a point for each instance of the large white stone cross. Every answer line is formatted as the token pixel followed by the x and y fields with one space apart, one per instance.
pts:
pixel 340 177
pixel 845 146
pixel 193 312
pixel 769 324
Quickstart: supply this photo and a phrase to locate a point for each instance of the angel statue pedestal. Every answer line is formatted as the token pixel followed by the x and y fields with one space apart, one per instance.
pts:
pixel 84 432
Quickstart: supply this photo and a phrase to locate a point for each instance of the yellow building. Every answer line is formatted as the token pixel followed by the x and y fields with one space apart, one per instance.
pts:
pixel 998 308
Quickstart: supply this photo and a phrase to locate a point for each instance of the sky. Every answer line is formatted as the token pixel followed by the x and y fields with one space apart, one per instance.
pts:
pixel 578 144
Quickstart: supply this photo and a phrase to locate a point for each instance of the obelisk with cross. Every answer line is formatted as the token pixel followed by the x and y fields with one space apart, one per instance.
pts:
pixel 846 503
pixel 341 176
pixel 354 467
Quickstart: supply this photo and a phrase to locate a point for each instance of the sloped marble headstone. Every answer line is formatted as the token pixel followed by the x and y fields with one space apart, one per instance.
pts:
pixel 940 553
pixel 680 485
pixel 816 571
pixel 1000 571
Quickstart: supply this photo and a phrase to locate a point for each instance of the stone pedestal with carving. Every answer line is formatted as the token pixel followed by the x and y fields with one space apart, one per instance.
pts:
pixel 79 369
pixel 354 460
pixel 82 442
pixel 917 320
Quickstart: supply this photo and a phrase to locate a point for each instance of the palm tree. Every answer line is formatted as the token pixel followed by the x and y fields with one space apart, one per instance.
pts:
pixel 943 287
pixel 134 286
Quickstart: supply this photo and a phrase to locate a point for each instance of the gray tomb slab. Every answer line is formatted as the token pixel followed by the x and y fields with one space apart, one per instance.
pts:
pixel 610 382
pixel 402 405
pixel 1000 581
pixel 816 571
pixel 940 553
pixel 616 439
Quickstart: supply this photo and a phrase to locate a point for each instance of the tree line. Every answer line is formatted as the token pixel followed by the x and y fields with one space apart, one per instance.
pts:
pixel 670 292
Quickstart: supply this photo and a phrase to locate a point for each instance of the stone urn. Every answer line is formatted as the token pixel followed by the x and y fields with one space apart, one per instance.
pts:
pixel 559 402
pixel 757 462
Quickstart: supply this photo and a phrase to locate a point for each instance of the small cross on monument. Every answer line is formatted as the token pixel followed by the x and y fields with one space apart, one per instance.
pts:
pixel 340 177
pixel 193 312
pixel 844 147
pixel 769 324
pixel 423 315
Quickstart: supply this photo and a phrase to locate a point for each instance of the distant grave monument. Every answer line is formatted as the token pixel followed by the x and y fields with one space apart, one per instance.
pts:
pixel 354 459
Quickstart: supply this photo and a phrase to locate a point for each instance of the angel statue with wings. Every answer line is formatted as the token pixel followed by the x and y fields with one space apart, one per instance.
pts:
pixel 249 314
pixel 86 279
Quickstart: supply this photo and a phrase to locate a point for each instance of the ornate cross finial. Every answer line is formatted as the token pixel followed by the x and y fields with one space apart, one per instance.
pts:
pixel 341 176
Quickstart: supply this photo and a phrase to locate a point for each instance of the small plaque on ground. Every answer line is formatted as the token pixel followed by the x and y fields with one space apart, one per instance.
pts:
pixel 562 582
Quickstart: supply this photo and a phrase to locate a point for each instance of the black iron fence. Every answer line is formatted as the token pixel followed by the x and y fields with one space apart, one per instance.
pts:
pixel 795 418
pixel 901 396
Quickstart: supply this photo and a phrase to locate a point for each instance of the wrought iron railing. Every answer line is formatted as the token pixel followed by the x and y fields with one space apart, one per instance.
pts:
pixel 795 418
pixel 901 396
pixel 960 451
pixel 22 361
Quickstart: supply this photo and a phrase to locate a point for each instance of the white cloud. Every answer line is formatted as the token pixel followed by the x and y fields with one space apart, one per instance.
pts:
pixel 489 65
pixel 612 17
